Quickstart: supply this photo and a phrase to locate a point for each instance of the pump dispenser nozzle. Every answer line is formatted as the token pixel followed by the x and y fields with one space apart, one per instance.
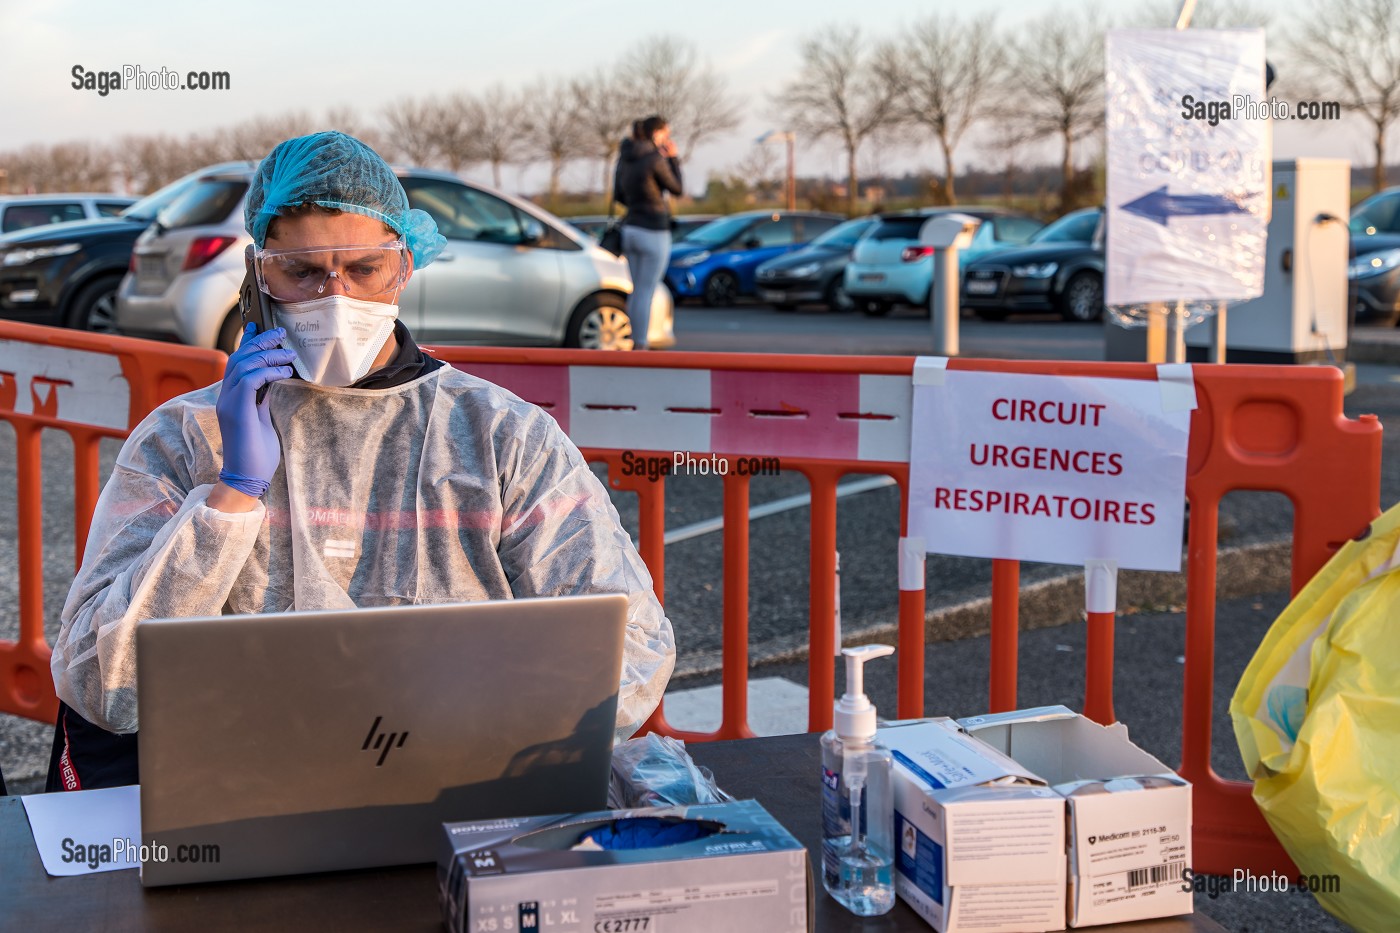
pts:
pixel 854 717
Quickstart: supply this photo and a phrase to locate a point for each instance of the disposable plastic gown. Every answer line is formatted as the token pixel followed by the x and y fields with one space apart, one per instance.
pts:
pixel 444 489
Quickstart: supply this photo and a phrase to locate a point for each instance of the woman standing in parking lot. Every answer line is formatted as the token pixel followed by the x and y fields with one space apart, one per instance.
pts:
pixel 647 169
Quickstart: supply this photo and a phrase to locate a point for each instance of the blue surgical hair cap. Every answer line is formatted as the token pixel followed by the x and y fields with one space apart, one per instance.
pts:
pixel 338 171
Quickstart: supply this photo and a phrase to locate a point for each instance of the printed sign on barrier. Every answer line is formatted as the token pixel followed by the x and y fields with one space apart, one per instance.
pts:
pixel 1048 468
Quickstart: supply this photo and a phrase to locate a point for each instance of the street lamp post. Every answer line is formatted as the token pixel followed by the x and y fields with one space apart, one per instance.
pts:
pixel 790 138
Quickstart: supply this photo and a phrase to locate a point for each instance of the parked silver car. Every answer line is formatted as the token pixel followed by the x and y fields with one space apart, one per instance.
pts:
pixel 22 211
pixel 512 274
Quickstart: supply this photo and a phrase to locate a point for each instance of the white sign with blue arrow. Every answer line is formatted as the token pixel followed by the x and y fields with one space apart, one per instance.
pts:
pixel 1188 165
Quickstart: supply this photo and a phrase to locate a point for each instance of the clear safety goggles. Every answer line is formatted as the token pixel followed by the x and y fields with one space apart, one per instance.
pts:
pixel 290 275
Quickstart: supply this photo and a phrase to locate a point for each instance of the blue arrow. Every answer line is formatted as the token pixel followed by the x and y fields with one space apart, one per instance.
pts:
pixel 1160 206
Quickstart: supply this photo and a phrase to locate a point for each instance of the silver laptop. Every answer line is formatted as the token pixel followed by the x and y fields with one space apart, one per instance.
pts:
pixel 317 741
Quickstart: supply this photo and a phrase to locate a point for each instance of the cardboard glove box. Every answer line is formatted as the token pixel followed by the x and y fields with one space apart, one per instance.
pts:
pixel 523 875
pixel 1129 814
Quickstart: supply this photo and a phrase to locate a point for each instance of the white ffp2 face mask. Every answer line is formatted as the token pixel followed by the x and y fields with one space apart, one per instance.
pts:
pixel 336 338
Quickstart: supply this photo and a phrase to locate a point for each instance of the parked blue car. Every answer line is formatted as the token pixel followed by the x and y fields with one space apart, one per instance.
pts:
pixel 716 263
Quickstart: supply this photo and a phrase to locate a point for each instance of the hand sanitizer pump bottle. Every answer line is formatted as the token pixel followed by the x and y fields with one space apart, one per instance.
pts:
pixel 857 809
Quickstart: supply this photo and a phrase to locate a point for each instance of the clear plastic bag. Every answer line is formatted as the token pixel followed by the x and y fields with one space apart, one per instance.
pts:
pixel 656 771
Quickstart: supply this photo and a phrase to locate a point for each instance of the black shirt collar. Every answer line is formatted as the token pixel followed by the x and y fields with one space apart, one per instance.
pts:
pixel 407 364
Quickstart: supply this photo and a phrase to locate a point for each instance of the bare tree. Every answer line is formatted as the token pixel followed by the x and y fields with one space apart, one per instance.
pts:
pixel 1349 51
pixel 840 92
pixel 665 75
pixel 553 130
pixel 411 131
pixel 498 129
pixel 760 171
pixel 605 115
pixel 79 166
pixel 455 123
pixel 252 139
pixel 149 162
pixel 350 121
pixel 1059 83
pixel 949 70
pixel 29 170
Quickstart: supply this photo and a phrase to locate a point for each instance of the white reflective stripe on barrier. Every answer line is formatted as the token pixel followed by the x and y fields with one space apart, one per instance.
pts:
pixel 1101 586
pixel 885 405
pixel 846 416
pixel 76 386
pixel 617 407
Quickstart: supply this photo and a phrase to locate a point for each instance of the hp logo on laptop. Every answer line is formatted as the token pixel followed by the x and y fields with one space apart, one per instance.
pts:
pixel 382 740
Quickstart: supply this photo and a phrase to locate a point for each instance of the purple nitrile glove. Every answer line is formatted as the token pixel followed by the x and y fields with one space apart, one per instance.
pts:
pixel 251 448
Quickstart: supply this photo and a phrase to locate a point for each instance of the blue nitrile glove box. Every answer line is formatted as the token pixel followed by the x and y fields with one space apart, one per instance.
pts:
pixel 523 874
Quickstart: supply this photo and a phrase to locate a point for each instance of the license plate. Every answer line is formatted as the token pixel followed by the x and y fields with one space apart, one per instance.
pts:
pixel 872 276
pixel 772 296
pixel 149 268
pixel 977 287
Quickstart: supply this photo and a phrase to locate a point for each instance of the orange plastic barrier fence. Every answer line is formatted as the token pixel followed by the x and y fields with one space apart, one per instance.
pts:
pixel 1271 428
pixel 1278 429
pixel 91 387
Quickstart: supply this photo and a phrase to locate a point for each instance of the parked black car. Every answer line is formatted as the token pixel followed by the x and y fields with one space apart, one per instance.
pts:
pixel 1059 271
pixel 1374 273
pixel 1375 223
pixel 1374 288
pixel 816 273
pixel 67 274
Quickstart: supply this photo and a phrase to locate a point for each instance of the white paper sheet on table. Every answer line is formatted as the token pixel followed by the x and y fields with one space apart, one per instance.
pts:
pixel 66 824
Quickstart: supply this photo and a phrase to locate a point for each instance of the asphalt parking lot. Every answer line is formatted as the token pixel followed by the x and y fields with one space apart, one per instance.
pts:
pixel 1149 646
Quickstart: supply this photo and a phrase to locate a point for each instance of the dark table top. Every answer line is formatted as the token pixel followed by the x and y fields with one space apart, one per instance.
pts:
pixel 780 772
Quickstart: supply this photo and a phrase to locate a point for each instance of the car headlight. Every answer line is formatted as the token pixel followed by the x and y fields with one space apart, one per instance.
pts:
pixel 1035 270
pixel 806 270
pixel 1373 265
pixel 694 259
pixel 23 257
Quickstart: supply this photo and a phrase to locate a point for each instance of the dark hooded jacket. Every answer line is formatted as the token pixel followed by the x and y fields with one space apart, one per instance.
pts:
pixel 642 178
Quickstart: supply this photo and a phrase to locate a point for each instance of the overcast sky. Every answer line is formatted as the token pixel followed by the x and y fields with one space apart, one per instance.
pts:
pixel 310 56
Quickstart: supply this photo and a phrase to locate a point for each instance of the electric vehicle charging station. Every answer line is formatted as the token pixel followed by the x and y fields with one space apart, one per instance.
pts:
pixel 1303 316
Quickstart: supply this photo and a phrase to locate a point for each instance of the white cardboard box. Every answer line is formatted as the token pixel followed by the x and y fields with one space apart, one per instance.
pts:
pixel 979 839
pixel 1130 815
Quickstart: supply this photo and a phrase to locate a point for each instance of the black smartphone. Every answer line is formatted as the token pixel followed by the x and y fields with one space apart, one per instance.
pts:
pixel 254 306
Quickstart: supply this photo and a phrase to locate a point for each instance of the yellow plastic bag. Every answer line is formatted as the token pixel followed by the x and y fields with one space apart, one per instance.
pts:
pixel 1317 716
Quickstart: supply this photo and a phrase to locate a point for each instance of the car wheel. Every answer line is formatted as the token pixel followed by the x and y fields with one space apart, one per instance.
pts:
pixel 721 289
pixel 94 308
pixel 836 297
pixel 991 314
pixel 231 332
pixel 1082 299
pixel 875 308
pixel 600 323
